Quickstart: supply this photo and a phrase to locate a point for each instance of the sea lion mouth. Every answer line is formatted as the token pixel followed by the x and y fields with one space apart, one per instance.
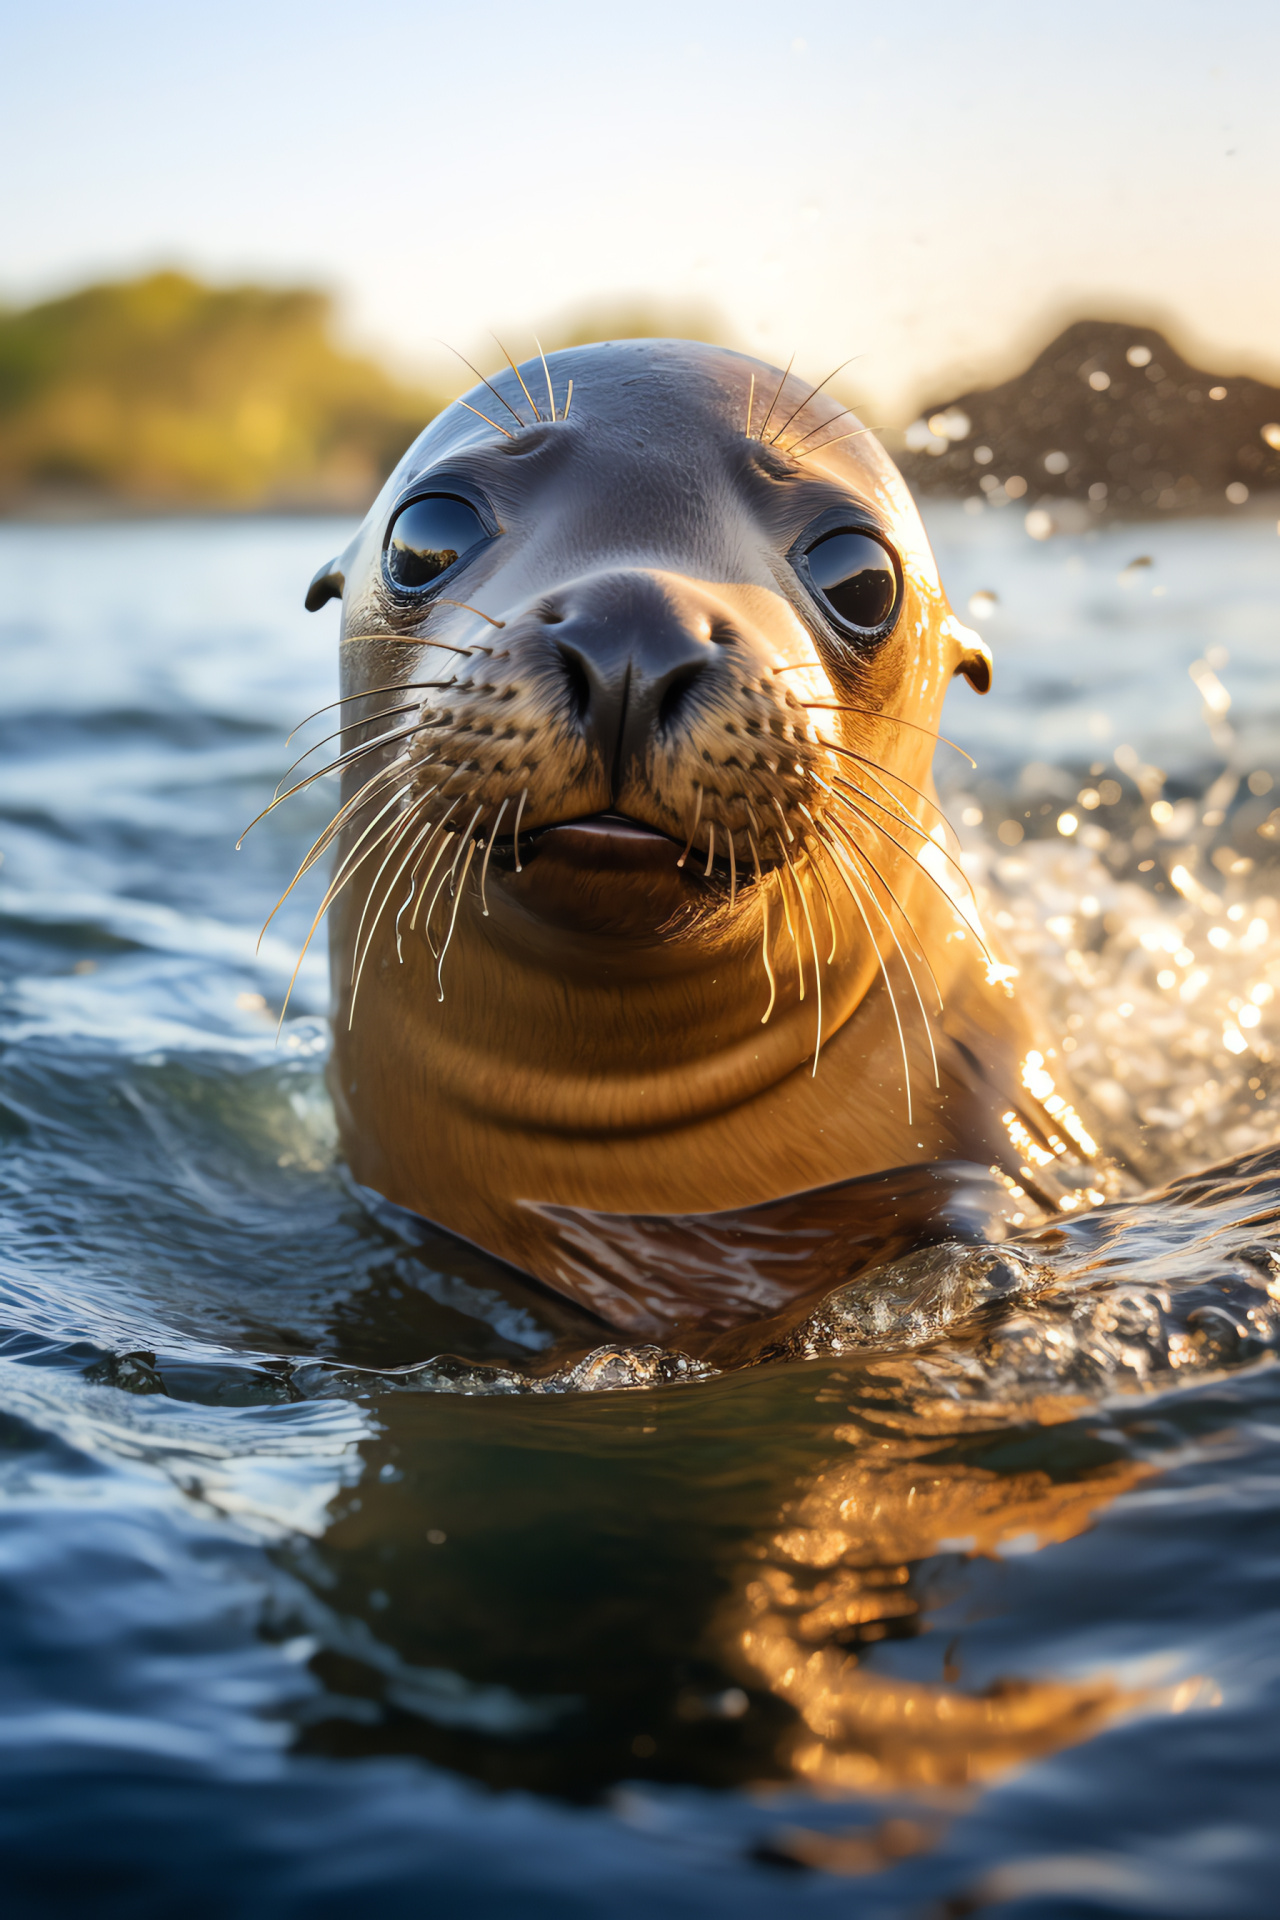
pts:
pixel 598 841
pixel 611 842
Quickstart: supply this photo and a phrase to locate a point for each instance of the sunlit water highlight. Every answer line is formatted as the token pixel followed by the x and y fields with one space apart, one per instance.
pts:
pixel 335 1563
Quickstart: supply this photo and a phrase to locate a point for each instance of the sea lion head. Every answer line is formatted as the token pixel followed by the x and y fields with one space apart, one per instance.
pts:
pixel 644 651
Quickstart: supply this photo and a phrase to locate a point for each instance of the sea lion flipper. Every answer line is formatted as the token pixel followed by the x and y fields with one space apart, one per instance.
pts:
pixel 327 583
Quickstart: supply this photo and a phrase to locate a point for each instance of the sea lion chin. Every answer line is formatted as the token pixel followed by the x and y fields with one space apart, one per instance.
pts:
pixel 644 909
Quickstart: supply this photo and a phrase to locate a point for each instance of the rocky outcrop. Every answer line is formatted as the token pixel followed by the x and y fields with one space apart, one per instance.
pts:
pixel 1110 416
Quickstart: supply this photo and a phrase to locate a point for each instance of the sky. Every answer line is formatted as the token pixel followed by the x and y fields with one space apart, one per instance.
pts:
pixel 930 186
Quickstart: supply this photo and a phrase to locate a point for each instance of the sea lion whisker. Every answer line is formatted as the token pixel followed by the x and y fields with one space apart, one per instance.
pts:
pixel 822 888
pixel 347 865
pixel 519 376
pixel 341 765
pixel 325 838
pixel 782 816
pixel 484 416
pixel 320 847
pixel 515 837
pixel 755 855
pixel 493 390
pixel 398 686
pixel 365 794
pixel 839 788
pixel 398 761
pixel 568 402
pixel 897 812
pixel 453 918
pixel 915 985
pixel 408 640
pixel 343 761
pixel 860 855
pixel 764 955
pixel 786 909
pixel 854 435
pixel 404 828
pixel 484 871
pixel 777 396
pixel 848 805
pixel 902 818
pixel 551 392
pixel 389 713
pixel 893 1001
pixel 467 607
pixel 875 769
pixel 697 815
pixel 442 829
pixel 464 840
pixel 751 401
pixel 733 872
pixel 441 883
pixel 817 973
pixel 446 878
pixel 878 827
pixel 382 906
pixel 334 888
pixel 711 850
pixel 812 395
pixel 926 838
pixel 813 947
pixel 350 755
pixel 830 421
pixel 416 856
pixel 763 892
pixel 894 719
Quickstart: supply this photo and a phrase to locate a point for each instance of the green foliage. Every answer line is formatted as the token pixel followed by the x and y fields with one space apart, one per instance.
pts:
pixel 161 392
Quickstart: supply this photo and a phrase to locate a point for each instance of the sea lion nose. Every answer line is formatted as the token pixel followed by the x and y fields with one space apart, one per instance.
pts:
pixel 634 645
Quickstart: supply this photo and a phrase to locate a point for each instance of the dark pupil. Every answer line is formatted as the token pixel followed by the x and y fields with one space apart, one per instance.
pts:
pixel 856 575
pixel 428 536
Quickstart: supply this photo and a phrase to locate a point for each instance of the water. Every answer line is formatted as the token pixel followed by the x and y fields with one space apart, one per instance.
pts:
pixel 964 1601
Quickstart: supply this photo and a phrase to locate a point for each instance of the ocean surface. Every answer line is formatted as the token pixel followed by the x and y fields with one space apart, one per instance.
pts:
pixel 972 1605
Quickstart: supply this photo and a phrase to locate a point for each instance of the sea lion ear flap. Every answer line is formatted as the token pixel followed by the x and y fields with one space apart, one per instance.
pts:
pixel 976 665
pixel 327 584
pixel 973 656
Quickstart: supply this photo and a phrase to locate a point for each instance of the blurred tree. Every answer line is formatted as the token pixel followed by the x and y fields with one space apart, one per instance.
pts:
pixel 162 392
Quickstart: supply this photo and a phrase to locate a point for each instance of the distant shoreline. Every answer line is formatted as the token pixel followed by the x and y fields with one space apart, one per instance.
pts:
pixel 1260 505
pixel 126 513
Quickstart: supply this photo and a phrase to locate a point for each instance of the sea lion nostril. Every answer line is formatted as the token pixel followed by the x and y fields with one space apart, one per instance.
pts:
pixel 674 694
pixel 579 682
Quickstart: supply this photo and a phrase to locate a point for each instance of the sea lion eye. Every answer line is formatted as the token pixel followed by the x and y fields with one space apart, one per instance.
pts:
pixel 429 535
pixel 856 576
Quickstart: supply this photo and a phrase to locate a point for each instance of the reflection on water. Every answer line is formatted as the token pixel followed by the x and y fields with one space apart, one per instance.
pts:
pixel 316 1528
pixel 839 1580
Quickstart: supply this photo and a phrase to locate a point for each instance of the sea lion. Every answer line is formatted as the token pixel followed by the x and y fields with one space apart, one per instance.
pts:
pixel 644 915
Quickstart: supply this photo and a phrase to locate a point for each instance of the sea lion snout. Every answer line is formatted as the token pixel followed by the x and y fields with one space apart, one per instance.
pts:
pixel 642 651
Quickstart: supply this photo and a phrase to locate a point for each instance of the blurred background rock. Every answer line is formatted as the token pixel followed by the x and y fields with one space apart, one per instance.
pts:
pixel 1109 417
